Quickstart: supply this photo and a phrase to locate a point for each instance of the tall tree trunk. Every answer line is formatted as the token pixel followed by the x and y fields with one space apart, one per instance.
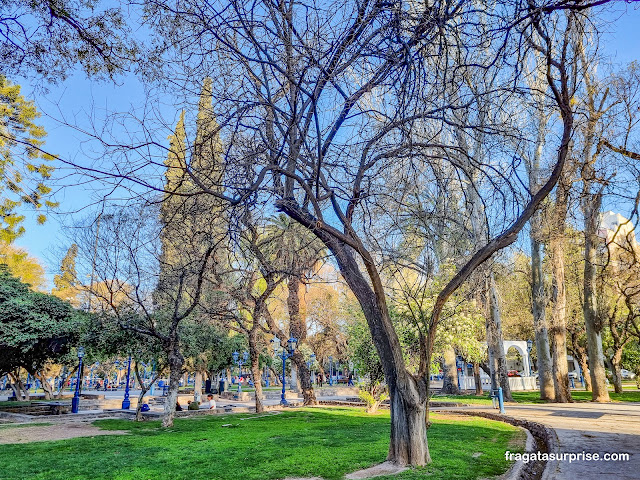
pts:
pixel 616 370
pixel 176 361
pixel 18 387
pixel 558 324
pixel 65 375
pixel 593 325
pixel 304 377
pixel 538 295
pixel 46 386
pixel 143 391
pixel 476 378
pixel 408 444
pixel 580 354
pixel 276 376
pixel 545 376
pixel 254 357
pixel 197 387
pixel 298 329
pixel 450 371
pixel 408 394
pixel 495 343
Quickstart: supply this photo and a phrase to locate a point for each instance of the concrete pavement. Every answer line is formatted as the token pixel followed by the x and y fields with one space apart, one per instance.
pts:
pixel 584 427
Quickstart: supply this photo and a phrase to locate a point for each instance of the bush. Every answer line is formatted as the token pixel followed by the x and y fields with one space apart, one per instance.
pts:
pixel 373 396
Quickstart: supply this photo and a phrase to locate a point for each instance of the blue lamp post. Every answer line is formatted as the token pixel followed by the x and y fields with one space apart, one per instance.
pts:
pixel 126 403
pixel 75 402
pixel 330 370
pixel 284 354
pixel 153 367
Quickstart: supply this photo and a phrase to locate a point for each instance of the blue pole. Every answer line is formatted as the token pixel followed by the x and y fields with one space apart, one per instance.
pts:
pixel 153 366
pixel 500 400
pixel 126 403
pixel 330 372
pixel 75 402
pixel 283 400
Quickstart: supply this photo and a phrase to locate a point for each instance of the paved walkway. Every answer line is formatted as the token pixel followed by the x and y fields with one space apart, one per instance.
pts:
pixel 586 427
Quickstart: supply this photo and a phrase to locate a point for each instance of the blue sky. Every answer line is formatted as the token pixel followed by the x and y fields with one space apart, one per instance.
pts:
pixel 79 99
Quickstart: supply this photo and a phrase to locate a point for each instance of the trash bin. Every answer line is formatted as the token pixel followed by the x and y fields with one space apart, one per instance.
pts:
pixel 221 386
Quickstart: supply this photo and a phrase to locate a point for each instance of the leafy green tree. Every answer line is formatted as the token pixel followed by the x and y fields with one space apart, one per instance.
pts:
pixel 36 328
pixel 23 266
pixel 365 359
pixel 22 175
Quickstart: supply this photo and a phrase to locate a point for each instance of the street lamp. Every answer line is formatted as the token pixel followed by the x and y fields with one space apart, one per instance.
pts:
pixel 126 403
pixel 236 359
pixel 284 354
pixel 75 403
pixel 330 370
pixel 459 366
pixel 529 347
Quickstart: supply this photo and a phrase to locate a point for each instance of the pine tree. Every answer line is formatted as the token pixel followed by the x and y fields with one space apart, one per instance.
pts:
pixel 66 283
pixel 207 149
pixel 191 221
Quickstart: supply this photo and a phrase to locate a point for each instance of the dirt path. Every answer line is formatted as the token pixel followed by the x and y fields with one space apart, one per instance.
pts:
pixel 60 431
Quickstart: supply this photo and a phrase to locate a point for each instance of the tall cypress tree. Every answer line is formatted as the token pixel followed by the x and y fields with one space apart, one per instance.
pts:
pixel 66 283
pixel 190 221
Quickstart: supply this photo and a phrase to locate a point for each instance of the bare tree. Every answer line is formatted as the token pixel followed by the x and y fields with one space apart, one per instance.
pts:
pixel 292 89
pixel 126 254
pixel 49 38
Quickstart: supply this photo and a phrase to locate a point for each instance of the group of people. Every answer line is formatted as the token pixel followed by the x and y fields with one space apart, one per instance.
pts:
pixel 320 380
pixel 210 404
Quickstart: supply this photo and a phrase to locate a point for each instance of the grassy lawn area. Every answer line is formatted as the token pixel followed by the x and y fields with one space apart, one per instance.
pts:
pixel 534 397
pixel 326 442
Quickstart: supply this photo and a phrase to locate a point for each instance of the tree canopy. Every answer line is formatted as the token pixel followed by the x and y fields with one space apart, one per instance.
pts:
pixel 35 327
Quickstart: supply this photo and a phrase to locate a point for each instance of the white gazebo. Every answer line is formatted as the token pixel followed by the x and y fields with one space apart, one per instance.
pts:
pixel 523 382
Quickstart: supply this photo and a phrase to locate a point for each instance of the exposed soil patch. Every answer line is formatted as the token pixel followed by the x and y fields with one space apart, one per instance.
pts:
pixel 61 431
pixel 386 468
pixel 301 478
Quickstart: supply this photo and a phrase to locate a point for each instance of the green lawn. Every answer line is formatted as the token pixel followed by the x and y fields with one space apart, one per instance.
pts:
pixel 326 442
pixel 534 397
